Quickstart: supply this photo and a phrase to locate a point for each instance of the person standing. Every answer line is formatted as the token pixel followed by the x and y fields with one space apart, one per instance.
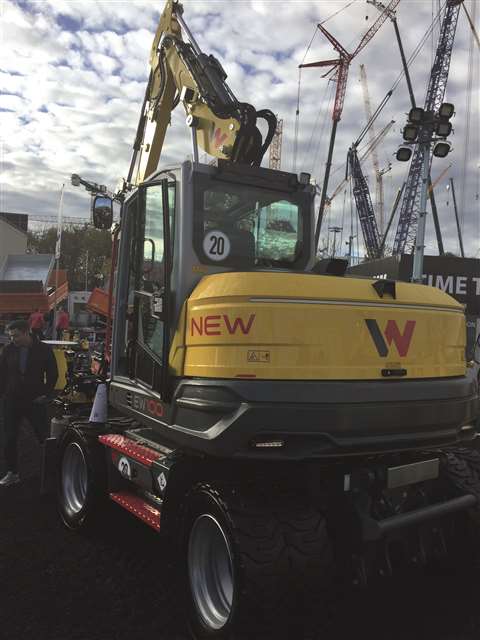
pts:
pixel 49 319
pixel 28 373
pixel 63 320
pixel 37 324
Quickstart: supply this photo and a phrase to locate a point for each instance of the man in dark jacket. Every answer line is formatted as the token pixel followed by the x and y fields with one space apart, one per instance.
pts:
pixel 28 373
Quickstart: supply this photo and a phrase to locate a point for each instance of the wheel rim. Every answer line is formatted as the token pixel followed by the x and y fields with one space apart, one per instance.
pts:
pixel 74 479
pixel 210 570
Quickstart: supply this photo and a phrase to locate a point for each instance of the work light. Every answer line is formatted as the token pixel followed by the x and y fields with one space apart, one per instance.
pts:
pixel 446 110
pixel 404 153
pixel 442 149
pixel 416 115
pixel 410 132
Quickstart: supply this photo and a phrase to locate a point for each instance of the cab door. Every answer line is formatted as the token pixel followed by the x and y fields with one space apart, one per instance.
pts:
pixel 149 361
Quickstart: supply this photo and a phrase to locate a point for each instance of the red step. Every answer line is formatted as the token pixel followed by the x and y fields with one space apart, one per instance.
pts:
pixel 130 448
pixel 139 507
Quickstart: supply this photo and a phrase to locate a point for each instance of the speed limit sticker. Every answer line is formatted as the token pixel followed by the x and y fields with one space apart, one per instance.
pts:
pixel 216 245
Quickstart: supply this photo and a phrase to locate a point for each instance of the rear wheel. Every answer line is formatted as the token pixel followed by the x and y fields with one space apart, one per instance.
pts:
pixel 81 479
pixel 249 565
pixel 461 466
pixel 471 455
pixel 461 469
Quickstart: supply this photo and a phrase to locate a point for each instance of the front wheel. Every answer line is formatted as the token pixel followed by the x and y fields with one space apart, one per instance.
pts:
pixel 247 565
pixel 81 478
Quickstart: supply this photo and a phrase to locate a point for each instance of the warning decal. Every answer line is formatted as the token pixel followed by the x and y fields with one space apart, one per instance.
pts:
pixel 258 356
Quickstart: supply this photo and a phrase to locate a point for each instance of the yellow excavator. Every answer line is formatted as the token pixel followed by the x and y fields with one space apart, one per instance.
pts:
pixel 266 413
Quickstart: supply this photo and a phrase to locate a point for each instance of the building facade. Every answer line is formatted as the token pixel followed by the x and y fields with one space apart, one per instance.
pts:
pixel 13 241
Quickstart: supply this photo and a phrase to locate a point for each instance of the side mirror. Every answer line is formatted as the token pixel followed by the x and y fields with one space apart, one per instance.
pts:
pixel 102 212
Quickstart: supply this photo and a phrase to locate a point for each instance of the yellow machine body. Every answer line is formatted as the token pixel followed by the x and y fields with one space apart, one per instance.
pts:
pixel 62 366
pixel 293 326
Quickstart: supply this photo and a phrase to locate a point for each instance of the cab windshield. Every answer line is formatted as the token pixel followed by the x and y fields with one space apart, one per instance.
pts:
pixel 247 227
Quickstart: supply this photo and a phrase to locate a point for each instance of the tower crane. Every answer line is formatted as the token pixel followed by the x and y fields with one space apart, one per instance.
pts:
pixel 409 212
pixel 379 173
pixel 340 67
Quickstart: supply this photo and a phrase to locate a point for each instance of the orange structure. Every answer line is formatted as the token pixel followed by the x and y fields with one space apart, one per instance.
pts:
pixel 28 282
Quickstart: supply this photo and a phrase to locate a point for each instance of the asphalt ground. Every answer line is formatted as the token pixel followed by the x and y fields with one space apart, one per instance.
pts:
pixel 112 584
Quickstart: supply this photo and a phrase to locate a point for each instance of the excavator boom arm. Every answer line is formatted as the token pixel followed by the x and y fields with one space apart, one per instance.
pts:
pixel 180 72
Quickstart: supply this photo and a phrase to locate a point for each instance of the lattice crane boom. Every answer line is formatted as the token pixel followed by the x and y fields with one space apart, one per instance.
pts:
pixel 387 12
pixel 371 135
pixel 409 212
pixel 363 201
pixel 365 154
pixel 371 234
pixel 275 154
pixel 343 62
pixel 368 113
pixel 379 137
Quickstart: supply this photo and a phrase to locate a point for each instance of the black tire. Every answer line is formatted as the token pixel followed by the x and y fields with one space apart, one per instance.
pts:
pixel 458 466
pixel 471 456
pixel 461 466
pixel 463 469
pixel 259 564
pixel 81 482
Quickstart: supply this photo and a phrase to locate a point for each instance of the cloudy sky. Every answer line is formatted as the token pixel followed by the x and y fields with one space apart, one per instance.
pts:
pixel 73 76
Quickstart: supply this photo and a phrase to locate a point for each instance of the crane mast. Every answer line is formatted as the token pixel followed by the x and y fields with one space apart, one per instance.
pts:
pixel 363 201
pixel 275 152
pixel 379 196
pixel 372 236
pixel 409 213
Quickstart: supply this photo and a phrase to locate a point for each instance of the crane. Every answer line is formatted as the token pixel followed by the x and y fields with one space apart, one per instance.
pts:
pixel 275 153
pixel 392 15
pixel 340 67
pixel 366 213
pixel 389 11
pixel 459 229
pixel 361 192
pixel 472 26
pixel 409 212
pixel 379 173
pixel 365 154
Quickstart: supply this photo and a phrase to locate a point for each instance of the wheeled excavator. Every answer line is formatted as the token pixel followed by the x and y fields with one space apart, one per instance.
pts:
pixel 270 417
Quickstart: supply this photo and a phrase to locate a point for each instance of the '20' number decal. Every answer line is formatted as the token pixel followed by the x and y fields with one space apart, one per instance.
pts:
pixel 216 245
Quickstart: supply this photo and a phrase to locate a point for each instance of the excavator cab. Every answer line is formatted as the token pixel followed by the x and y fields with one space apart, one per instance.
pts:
pixel 190 222
pixel 241 222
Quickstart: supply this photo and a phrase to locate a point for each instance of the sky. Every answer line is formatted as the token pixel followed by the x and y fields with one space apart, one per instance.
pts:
pixel 73 76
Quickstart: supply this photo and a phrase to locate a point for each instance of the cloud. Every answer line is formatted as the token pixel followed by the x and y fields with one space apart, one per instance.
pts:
pixel 73 76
